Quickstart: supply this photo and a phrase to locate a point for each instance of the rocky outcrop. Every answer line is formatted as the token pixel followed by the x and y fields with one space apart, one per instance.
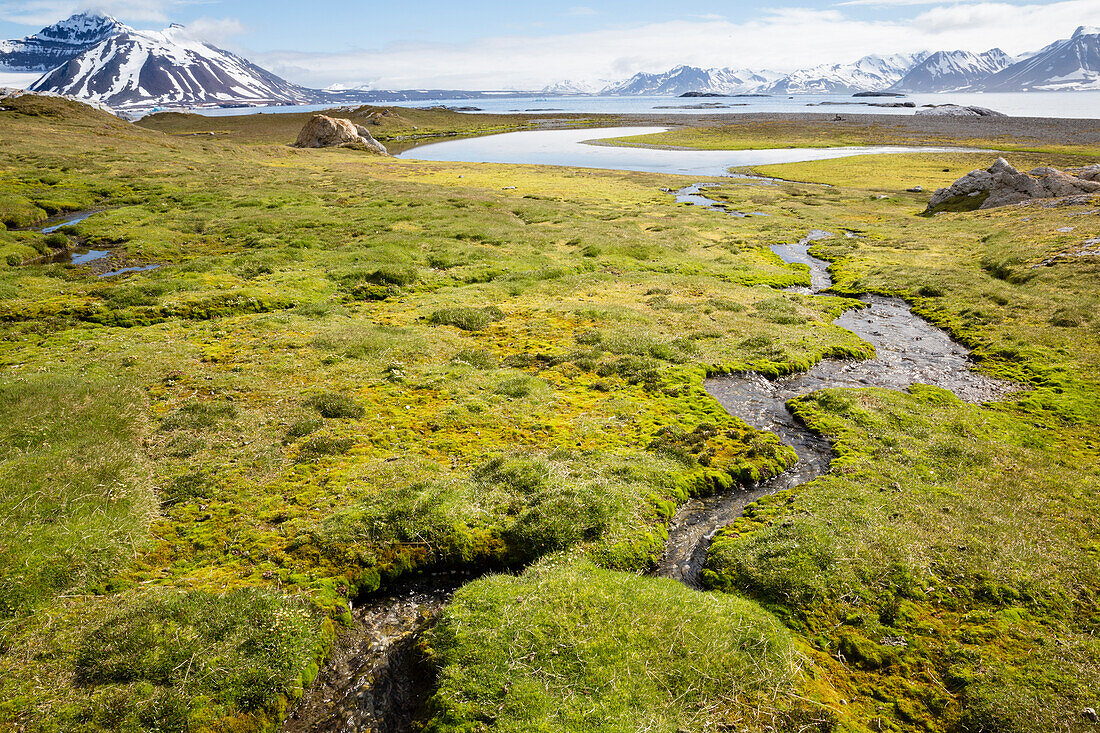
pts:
pixel 1088 173
pixel 957 110
pixel 1001 185
pixel 327 132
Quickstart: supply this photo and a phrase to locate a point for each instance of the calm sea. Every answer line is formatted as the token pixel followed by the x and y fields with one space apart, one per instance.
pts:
pixel 1021 104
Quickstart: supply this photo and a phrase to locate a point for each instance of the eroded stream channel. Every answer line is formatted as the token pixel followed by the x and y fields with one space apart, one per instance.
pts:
pixel 908 350
pixel 377 681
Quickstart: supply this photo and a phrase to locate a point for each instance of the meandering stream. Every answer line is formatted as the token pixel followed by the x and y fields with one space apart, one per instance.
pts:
pixel 908 350
pixel 376 681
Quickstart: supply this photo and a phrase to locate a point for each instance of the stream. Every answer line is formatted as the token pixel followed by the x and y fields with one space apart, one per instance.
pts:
pixel 377 680
pixel 908 350
pixel 80 255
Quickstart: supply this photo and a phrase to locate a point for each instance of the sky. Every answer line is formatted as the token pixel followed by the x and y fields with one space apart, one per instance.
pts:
pixel 504 44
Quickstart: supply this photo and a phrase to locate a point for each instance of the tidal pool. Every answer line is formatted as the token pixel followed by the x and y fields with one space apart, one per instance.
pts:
pixel 573 148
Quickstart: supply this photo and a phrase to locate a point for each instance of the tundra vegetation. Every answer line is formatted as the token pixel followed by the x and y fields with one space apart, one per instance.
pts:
pixel 348 370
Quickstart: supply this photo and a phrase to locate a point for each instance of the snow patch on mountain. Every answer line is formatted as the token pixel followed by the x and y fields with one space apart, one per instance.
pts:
pixel 692 79
pixel 869 74
pixel 1072 64
pixel 58 43
pixel 166 68
pixel 566 88
pixel 946 71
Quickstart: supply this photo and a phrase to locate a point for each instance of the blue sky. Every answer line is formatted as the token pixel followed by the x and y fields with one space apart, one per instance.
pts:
pixel 509 44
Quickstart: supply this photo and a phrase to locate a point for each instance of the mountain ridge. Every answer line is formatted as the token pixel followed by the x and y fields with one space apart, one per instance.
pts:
pixel 871 73
pixel 155 68
pixel 686 78
pixel 58 43
pixel 94 56
pixel 946 71
pixel 1071 64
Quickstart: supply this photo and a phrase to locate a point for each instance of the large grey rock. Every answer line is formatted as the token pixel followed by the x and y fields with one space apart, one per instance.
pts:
pixel 1001 185
pixel 367 139
pixel 957 110
pixel 326 132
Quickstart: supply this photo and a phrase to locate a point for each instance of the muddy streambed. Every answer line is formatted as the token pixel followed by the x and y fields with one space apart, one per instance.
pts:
pixel 377 679
pixel 908 349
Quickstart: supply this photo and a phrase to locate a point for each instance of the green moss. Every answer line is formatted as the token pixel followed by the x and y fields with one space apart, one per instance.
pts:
pixel 194 652
pixel 77 498
pixel 585 648
pixel 459 438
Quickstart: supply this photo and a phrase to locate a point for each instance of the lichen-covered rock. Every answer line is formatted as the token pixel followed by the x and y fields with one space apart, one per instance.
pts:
pixel 326 132
pixel 1088 173
pixel 1001 185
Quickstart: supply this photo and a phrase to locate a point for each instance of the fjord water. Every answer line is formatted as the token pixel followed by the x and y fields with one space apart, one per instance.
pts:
pixel 1080 105
pixel 568 148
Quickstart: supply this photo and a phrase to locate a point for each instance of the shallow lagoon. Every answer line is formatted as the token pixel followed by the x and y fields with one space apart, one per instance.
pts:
pixel 568 148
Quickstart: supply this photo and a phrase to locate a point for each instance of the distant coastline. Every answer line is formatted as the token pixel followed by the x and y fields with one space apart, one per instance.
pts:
pixel 1075 105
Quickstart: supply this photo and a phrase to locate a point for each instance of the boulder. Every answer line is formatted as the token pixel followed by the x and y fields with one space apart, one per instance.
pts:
pixel 1001 185
pixel 957 110
pixel 326 132
pixel 367 139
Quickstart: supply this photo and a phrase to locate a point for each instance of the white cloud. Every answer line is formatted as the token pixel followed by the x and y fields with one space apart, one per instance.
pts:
pixel 897 3
pixel 214 30
pixel 1020 23
pixel 784 39
pixel 581 10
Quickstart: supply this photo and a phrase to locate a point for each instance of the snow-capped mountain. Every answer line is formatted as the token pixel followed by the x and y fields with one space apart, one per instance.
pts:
pixel 1072 64
pixel 946 71
pixel 567 88
pixel 868 74
pixel 149 68
pixel 58 43
pixel 692 79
